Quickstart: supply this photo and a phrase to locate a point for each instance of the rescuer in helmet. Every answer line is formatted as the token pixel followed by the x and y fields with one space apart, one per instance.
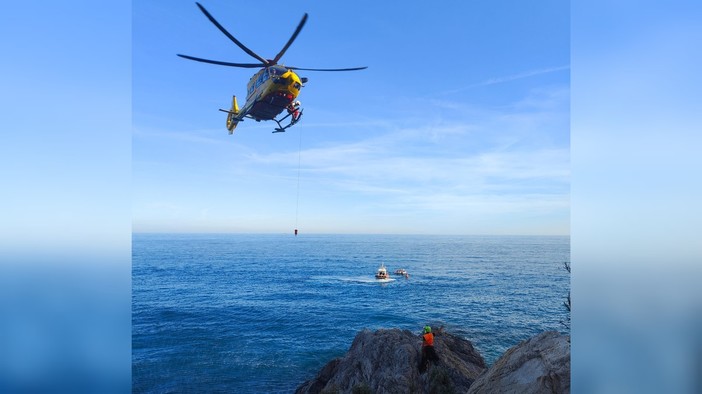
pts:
pixel 428 352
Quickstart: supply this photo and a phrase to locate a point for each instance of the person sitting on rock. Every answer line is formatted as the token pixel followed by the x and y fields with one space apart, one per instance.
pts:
pixel 428 352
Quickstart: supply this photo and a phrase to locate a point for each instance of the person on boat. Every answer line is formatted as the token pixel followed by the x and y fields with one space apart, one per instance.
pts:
pixel 428 352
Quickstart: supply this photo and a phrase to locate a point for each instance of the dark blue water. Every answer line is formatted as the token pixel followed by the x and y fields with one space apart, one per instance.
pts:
pixel 263 313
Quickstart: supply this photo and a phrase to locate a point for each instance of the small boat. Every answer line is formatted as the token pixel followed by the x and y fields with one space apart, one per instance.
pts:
pixel 400 271
pixel 382 273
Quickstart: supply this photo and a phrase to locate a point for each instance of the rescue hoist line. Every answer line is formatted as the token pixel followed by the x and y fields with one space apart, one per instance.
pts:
pixel 297 199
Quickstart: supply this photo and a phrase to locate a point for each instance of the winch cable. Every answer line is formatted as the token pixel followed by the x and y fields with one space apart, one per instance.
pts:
pixel 297 199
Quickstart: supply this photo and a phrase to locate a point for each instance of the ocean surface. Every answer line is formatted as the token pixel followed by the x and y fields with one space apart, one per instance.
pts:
pixel 263 313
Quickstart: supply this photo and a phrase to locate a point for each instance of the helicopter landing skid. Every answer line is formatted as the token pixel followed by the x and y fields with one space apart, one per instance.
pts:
pixel 281 128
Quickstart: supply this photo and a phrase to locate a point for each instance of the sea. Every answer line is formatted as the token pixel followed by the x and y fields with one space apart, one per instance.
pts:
pixel 262 313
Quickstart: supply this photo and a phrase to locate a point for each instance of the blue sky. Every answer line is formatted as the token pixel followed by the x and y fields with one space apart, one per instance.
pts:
pixel 460 124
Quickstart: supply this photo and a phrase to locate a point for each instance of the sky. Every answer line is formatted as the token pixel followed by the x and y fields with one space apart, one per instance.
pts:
pixel 460 124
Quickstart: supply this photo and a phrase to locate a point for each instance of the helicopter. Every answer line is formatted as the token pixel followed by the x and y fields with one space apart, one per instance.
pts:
pixel 272 89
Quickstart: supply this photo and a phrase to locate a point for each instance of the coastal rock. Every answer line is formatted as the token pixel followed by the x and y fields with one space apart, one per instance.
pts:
pixel 538 365
pixel 387 361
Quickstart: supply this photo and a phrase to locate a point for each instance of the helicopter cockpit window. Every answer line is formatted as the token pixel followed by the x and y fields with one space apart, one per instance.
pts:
pixel 276 71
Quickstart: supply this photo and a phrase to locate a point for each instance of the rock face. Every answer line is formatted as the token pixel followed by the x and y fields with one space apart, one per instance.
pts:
pixel 387 361
pixel 538 365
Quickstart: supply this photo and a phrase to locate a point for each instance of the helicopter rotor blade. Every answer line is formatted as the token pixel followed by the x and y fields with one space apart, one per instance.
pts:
pixel 243 65
pixel 327 69
pixel 231 37
pixel 290 41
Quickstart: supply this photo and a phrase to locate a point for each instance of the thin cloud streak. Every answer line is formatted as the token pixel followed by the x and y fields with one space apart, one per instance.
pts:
pixel 526 74
pixel 508 78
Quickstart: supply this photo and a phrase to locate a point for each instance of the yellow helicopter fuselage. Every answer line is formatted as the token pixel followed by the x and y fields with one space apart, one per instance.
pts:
pixel 269 92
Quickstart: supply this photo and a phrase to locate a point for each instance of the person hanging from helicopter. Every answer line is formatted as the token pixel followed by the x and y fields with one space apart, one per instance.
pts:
pixel 294 111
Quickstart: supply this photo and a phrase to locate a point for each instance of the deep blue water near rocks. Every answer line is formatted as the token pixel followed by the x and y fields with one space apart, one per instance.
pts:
pixel 263 313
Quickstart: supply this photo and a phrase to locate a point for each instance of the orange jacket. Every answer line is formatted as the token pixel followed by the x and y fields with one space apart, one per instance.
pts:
pixel 428 339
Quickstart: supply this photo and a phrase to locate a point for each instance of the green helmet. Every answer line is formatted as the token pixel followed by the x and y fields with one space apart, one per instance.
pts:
pixel 427 329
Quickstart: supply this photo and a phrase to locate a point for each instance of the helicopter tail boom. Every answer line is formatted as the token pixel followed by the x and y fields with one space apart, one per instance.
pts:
pixel 233 116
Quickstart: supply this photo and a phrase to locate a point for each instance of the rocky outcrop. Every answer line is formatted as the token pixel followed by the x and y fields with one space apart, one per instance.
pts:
pixel 538 365
pixel 387 361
